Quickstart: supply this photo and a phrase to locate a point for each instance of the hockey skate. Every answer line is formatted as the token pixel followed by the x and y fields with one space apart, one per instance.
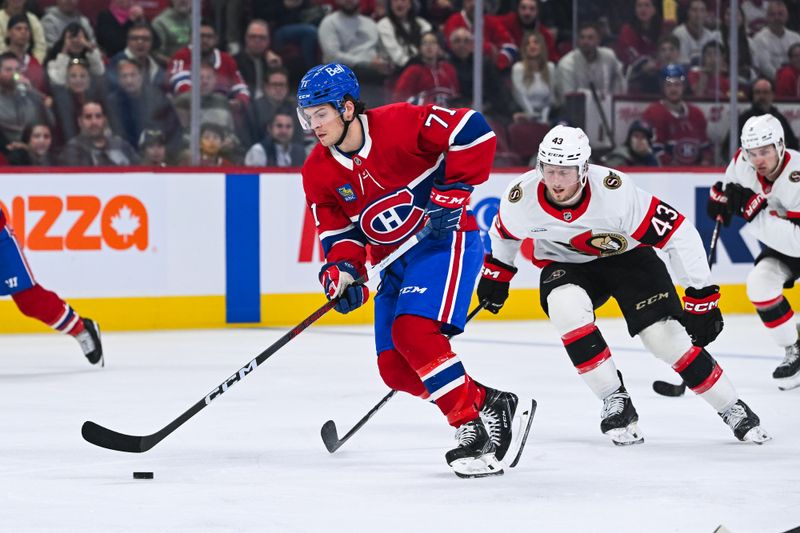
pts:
pixel 89 339
pixel 508 426
pixel 474 455
pixel 745 423
pixel 787 374
pixel 619 418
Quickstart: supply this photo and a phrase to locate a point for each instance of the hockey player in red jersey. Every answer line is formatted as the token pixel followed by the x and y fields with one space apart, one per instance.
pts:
pixel 594 232
pixel 16 279
pixel 372 181
pixel 763 187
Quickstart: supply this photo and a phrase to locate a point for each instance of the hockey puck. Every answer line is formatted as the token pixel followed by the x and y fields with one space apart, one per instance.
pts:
pixel 142 475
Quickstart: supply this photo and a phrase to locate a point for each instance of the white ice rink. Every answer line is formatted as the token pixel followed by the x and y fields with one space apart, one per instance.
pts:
pixel 253 460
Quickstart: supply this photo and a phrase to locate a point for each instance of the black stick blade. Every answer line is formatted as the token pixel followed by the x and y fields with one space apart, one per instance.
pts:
pixel 329 436
pixel 106 438
pixel 668 389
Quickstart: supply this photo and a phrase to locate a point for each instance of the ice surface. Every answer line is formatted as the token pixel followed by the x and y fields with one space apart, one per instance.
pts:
pixel 254 461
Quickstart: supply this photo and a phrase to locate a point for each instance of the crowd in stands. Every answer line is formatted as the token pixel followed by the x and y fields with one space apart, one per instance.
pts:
pixel 107 82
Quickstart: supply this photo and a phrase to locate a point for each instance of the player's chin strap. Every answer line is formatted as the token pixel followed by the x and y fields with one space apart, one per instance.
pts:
pixel 346 127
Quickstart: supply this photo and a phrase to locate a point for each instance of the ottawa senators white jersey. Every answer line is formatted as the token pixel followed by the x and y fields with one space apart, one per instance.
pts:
pixel 777 226
pixel 613 217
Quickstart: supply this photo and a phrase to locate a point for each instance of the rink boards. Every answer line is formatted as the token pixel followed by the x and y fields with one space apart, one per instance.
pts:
pixel 184 249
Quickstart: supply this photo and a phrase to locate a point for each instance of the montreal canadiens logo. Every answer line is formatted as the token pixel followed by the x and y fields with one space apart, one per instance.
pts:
pixel 391 219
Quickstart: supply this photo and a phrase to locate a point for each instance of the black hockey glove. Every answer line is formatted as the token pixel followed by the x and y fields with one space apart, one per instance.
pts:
pixel 447 208
pixel 717 205
pixel 493 286
pixel 701 315
pixel 744 202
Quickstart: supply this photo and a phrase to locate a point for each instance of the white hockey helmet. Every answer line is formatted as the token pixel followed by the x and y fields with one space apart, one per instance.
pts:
pixel 761 131
pixel 566 147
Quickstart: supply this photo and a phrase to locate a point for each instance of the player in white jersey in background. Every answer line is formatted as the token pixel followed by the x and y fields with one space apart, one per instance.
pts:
pixel 763 187
pixel 593 231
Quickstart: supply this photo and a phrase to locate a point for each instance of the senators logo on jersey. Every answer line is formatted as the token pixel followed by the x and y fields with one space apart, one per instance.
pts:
pixel 598 244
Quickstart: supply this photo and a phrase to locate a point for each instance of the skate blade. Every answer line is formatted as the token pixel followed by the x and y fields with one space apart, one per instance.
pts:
pixel 626 436
pixel 484 466
pixel 792 382
pixel 522 423
pixel 757 436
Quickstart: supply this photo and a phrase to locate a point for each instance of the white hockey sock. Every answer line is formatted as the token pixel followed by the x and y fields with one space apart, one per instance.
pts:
pixel 603 379
pixel 722 395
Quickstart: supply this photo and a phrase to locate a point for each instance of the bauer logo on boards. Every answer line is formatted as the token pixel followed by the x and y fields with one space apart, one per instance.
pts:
pixel 54 223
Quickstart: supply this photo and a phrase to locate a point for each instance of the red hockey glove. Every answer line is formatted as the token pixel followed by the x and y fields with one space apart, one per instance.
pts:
pixel 701 315
pixel 493 286
pixel 447 207
pixel 717 205
pixel 337 281
pixel 744 202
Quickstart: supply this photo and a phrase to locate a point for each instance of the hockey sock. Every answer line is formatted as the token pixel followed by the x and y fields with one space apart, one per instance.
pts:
pixel 428 352
pixel 704 376
pixel 398 375
pixel 45 306
pixel 589 353
pixel 777 314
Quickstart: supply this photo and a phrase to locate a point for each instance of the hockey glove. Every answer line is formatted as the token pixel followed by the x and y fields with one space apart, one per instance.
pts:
pixel 447 208
pixel 337 281
pixel 717 205
pixel 701 315
pixel 493 286
pixel 744 202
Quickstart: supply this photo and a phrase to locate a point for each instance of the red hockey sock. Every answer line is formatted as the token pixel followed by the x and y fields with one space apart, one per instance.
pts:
pixel 428 352
pixel 398 375
pixel 41 304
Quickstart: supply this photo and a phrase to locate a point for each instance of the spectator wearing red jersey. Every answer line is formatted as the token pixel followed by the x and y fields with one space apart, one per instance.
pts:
pixel 680 127
pixel 428 78
pixel 526 19
pixel 638 38
pixel 787 84
pixel 498 45
pixel 229 80
pixel 710 78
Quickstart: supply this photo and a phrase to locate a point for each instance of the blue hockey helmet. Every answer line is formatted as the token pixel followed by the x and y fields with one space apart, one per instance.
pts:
pixel 673 72
pixel 328 84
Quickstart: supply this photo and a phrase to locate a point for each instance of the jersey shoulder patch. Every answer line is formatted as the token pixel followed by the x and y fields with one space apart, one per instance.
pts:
pixel 612 181
pixel 515 193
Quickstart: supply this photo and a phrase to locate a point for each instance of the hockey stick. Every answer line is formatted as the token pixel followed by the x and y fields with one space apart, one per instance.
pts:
pixel 602 113
pixel 665 388
pixel 107 438
pixel 329 435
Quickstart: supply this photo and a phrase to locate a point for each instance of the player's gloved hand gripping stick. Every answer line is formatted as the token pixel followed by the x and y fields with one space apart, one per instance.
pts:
pixel 107 438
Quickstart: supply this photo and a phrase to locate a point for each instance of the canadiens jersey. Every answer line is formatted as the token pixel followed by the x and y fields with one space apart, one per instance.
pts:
pixel 679 139
pixel 229 80
pixel 613 217
pixel 777 226
pixel 377 196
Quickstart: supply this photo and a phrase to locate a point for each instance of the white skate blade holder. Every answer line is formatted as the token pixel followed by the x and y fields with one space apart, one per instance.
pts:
pixel 792 382
pixel 757 436
pixel 484 466
pixel 626 436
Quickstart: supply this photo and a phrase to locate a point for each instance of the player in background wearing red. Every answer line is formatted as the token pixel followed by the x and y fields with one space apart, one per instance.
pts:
pixel 372 181
pixel 763 187
pixel 594 232
pixel 16 280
